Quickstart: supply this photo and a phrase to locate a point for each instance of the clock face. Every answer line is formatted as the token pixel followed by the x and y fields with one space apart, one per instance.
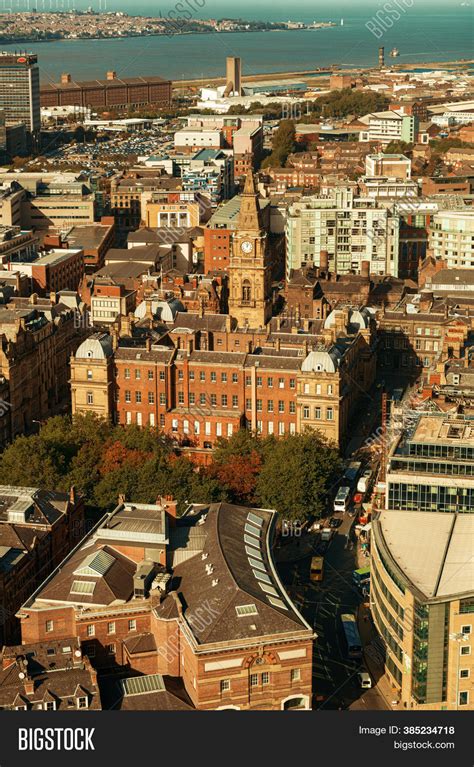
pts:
pixel 246 246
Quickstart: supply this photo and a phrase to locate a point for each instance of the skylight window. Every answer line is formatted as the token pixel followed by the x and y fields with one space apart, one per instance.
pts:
pixel 252 530
pixel 254 519
pixel 277 603
pixel 95 564
pixel 243 610
pixel 82 587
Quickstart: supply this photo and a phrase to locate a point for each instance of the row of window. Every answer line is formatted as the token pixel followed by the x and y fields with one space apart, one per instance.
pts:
pixel 318 413
pixel 257 680
pixel 132 626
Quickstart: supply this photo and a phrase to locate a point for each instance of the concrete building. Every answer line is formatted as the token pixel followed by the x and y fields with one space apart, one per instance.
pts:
pixel 94 240
pixel 350 229
pixel 389 126
pixel 134 589
pixel 390 165
pixel 422 602
pixel 59 269
pixel 451 238
pixel 20 90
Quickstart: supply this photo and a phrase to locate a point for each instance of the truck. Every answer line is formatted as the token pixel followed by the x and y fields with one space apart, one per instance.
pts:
pixel 326 534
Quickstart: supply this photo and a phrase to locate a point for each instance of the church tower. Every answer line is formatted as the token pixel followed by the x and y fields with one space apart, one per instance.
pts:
pixel 250 301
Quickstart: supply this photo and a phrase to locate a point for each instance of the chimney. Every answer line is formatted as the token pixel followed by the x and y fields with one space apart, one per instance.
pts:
pixel 72 494
pixel 148 344
pixel 111 75
pixel 65 78
pixel 426 299
pixel 170 507
pixel 121 499
pixel 324 261
pixel 52 297
pixel 365 269
pixel 29 686
pixel 33 298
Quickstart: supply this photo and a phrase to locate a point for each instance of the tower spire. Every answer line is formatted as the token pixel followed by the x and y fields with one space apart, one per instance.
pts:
pixel 249 216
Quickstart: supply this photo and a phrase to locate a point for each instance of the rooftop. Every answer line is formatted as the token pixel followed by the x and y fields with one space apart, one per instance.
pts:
pixel 433 550
pixel 449 431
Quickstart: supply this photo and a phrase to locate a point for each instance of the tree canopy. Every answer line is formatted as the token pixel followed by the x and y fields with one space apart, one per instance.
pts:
pixel 292 474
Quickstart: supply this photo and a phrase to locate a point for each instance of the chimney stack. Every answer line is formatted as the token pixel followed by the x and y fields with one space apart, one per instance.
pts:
pixel 324 261
pixel 365 269
pixel 111 75
pixel 381 57
pixel 65 78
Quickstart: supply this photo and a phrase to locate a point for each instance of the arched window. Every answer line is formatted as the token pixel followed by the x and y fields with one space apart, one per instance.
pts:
pixel 246 290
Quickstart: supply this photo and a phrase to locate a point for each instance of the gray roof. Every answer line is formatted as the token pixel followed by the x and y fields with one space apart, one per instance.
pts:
pixel 434 550
pixel 97 347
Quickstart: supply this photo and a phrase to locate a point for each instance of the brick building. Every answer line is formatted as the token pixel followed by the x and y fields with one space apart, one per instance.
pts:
pixel 220 229
pixel 114 93
pixel 48 676
pixel 59 269
pixel 37 530
pixel 197 599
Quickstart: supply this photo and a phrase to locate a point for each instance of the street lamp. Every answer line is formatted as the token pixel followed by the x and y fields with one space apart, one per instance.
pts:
pixel 458 637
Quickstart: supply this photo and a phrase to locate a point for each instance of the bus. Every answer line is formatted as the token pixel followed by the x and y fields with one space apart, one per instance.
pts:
pixel 317 568
pixel 361 576
pixel 352 472
pixel 351 633
pixel 342 499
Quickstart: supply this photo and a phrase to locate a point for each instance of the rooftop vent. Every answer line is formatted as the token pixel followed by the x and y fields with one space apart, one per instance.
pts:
pixel 215 581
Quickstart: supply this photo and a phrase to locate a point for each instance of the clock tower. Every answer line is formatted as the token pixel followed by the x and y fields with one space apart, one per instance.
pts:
pixel 250 301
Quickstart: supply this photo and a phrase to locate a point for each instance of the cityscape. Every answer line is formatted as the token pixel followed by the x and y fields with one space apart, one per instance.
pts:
pixel 236 376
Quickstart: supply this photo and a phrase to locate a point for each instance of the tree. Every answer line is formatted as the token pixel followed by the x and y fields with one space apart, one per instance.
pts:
pixel 398 147
pixel 283 144
pixel 297 474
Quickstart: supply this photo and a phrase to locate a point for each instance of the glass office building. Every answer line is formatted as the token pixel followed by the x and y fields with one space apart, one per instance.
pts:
pixel 20 90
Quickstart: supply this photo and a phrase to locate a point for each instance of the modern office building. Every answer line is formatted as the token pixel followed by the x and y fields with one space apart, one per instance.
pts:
pixel 422 602
pixel 431 467
pixel 389 126
pixel 19 90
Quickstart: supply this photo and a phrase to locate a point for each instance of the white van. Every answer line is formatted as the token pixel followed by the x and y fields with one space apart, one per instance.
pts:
pixel 341 501
pixel 364 481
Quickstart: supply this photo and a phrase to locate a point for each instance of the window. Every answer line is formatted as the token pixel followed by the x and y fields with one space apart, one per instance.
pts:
pixel 330 389
pixel 111 627
pixel 465 650
pixel 49 626
pixel 213 377
pixel 253 680
pixel 318 388
pixel 265 677
pixel 329 414
pixel 293 407
pixel 317 413
pixel 89 375
pixel 181 398
pixel 138 397
pixel 281 383
pixel 246 291
pixel 259 381
pixel 82 703
pixel 248 380
pixel 162 375
pixel 192 398
pixel 243 610
pixel 151 398
pixel 235 378
pixel 180 375
pixel 235 400
pixel 306 412
pixel 138 374
pixel 111 649
pixel 224 400
pixel 132 625
pixel 466 629
pixel 90 398
pixel 270 382
pixel 126 373
pixel 150 375
pixel 162 398
pixel 225 685
pixel 128 396
pixel 224 377
pixel 91 631
pixel 292 383
pixel 202 375
pixel 259 406
pixel 295 674
pixel 162 419
pixel 50 705
pixel 248 404
pixel 191 375
pixel 270 406
pixel 463 698
pixel 213 400
pixel 281 406
pixel 202 399
pixel 464 673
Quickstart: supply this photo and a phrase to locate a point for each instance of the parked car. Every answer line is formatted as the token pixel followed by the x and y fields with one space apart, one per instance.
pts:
pixel 364 680
pixel 334 522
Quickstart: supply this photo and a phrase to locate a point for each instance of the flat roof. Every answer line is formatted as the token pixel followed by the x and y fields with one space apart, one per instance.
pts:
pixel 432 549
pixel 449 431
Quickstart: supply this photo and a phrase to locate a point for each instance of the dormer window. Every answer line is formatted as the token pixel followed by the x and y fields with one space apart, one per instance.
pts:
pixel 82 702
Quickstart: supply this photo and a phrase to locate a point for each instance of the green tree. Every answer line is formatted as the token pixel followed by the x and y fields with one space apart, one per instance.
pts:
pixel 283 144
pixel 297 474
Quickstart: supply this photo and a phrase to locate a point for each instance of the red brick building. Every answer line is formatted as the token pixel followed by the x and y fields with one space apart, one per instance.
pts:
pixel 197 599
pixel 37 530
pixel 114 93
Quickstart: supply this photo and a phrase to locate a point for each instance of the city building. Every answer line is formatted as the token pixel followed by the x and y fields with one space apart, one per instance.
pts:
pixel 48 676
pixel 219 230
pixel 422 602
pixel 451 238
pixel 94 241
pixel 113 93
pixel 59 269
pixel 20 90
pixel 350 229
pixel 38 528
pixel 250 295
pixel 132 592
pixel 430 468
pixel 389 126
pixel 390 165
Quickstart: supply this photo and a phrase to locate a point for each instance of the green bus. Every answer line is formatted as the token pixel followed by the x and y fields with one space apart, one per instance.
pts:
pixel 361 576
